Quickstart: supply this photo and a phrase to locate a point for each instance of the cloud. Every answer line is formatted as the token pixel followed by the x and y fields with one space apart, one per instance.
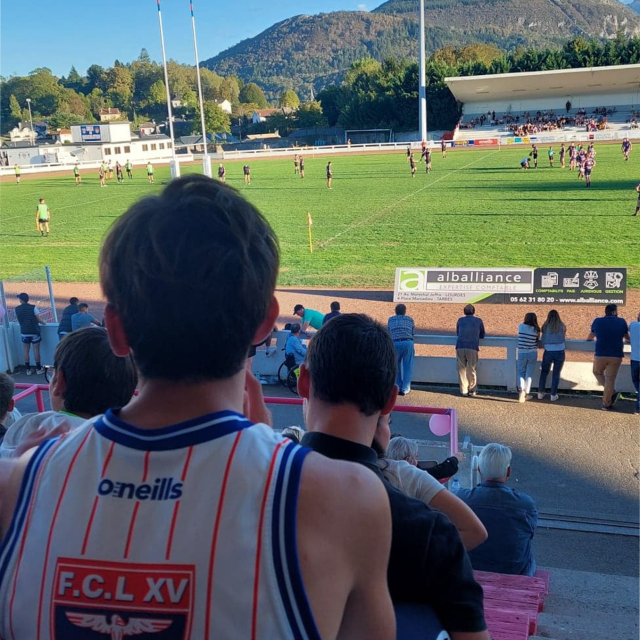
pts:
pixel 362 7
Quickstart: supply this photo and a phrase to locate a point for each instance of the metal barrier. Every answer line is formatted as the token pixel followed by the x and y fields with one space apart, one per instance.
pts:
pixel 446 425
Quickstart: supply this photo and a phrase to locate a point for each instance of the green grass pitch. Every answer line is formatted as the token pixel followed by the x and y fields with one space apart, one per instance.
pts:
pixel 476 208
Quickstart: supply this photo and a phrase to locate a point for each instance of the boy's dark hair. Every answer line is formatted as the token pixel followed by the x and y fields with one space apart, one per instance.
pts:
pixel 73 300
pixel 23 297
pixel 7 387
pixel 352 360
pixel 191 273
pixel 610 309
pixel 295 327
pixel 469 310
pixel 83 305
pixel 297 308
pixel 401 309
pixel 96 379
pixel 335 306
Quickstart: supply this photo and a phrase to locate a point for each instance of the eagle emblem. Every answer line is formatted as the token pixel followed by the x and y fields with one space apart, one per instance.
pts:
pixel 118 628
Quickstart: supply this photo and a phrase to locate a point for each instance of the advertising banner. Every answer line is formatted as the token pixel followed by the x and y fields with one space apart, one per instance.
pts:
pixel 598 285
pixel 460 143
pixel 90 133
pixel 486 141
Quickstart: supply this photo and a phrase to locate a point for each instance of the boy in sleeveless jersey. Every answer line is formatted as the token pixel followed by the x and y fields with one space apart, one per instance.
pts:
pixel 177 512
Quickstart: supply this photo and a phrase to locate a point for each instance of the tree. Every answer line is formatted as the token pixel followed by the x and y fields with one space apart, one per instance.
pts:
pixel 157 93
pixel 310 115
pixel 229 90
pixel 120 86
pixel 211 84
pixel 16 111
pixel 96 78
pixel 289 98
pixel 253 93
pixel 144 56
pixel 215 119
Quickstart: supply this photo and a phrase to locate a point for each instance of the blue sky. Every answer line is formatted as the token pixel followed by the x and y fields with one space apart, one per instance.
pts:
pixel 39 33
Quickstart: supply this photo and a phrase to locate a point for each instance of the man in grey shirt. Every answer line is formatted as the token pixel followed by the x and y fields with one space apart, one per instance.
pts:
pixel 470 330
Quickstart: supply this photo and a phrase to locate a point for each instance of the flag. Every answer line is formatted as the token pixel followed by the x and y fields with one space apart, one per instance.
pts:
pixel 309 219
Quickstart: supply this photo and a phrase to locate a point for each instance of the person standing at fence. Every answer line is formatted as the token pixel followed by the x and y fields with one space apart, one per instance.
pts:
pixel 528 335
pixel 29 319
pixel 18 171
pixel 554 333
pixel 634 336
pixel 402 329
pixel 470 330
pixel 70 310
pixel 43 216
pixel 609 332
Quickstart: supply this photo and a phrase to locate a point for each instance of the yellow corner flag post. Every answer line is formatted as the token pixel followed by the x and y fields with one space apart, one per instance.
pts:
pixel 310 222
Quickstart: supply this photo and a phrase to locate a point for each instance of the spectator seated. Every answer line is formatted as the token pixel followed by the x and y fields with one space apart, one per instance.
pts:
pixel 509 516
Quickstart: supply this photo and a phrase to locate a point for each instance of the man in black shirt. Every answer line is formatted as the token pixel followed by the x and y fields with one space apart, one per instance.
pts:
pixel 348 380
pixel 65 321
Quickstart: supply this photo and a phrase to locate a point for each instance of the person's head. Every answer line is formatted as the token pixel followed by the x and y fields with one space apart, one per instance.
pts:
pixel 401 448
pixel 611 310
pixel 7 387
pixel 41 200
pixel 298 310
pixel 351 361
pixel 532 320
pixel 73 300
pixel 469 310
pixel 494 462
pixel 88 378
pixel 198 240
pixel 295 328
pixel 401 309
pixel 335 306
pixel 553 322
pixel 293 433
pixel 83 307
pixel 23 297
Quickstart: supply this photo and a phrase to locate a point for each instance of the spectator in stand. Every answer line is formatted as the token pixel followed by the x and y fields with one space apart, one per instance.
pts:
pixel 509 516
pixel 528 336
pixel 83 318
pixel 180 433
pixel 7 404
pixel 294 346
pixel 348 383
pixel 87 380
pixel 29 319
pixel 398 461
pixel 402 329
pixel 65 321
pixel 470 330
pixel 634 337
pixel 309 317
pixel 554 333
pixel 609 332
pixel 335 311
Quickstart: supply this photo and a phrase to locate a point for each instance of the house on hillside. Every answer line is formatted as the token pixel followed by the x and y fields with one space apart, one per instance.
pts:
pixel 22 134
pixel 261 115
pixel 106 115
pixel 147 129
pixel 63 136
pixel 225 105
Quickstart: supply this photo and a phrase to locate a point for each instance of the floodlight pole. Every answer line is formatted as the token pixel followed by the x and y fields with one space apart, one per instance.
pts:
pixel 422 91
pixel 206 162
pixel 175 166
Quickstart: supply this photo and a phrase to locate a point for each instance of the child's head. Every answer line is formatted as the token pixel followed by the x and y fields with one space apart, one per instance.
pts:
pixel 189 276
pixel 73 300
pixel 88 377
pixel 6 395
pixel 41 200
pixel 83 307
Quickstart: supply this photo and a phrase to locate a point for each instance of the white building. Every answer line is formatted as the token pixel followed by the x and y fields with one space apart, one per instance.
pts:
pixel 225 105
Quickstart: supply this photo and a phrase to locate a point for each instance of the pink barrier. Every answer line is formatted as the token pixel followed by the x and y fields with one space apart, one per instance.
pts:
pixel 450 429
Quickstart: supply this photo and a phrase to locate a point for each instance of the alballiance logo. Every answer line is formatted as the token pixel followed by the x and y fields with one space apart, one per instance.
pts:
pixel 161 489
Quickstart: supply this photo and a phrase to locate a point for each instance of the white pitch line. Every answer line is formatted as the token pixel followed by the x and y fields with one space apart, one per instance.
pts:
pixel 380 213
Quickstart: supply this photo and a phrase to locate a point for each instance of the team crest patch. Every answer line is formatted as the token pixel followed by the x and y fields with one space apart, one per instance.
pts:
pixel 94 600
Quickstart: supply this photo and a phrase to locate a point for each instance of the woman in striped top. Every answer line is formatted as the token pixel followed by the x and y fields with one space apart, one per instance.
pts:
pixel 528 335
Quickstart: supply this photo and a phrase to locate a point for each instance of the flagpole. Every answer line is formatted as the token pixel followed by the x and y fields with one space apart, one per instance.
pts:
pixel 175 166
pixel 206 162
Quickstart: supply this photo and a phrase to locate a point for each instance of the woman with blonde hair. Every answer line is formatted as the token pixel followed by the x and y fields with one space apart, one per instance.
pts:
pixel 553 336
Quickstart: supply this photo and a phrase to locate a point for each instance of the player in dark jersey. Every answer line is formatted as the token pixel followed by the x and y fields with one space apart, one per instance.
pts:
pixel 296 165
pixel 534 155
pixel 412 164
pixel 572 156
pixel 301 167
pixel 222 173
pixel 638 203
pixel 626 149
pixel 588 165
pixel 580 164
pixel 443 148
pixel 423 148
pixel 427 160
pixel 329 175
pixel 524 163
pixel 563 152
pixel 408 153
pixel 247 174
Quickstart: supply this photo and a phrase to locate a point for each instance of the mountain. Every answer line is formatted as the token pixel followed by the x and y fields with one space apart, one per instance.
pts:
pixel 306 52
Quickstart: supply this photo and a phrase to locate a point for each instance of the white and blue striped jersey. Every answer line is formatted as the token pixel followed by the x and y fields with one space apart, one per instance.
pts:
pixel 187 531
